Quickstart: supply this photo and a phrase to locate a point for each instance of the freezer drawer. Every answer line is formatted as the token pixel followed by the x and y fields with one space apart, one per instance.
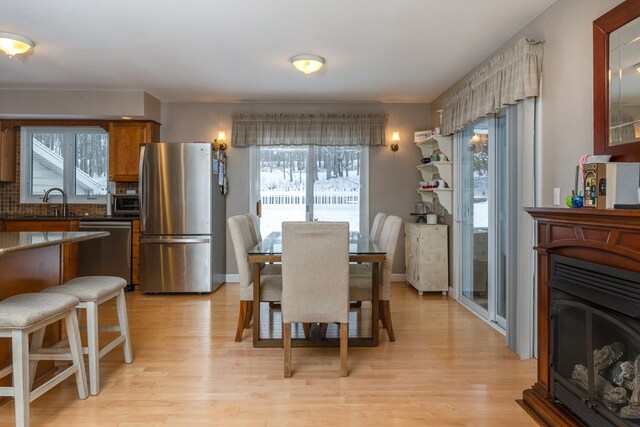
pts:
pixel 175 264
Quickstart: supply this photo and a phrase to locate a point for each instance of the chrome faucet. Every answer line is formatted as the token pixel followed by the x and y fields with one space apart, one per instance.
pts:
pixel 65 206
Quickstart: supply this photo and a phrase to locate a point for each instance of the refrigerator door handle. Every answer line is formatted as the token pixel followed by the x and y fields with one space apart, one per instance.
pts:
pixel 172 240
pixel 142 202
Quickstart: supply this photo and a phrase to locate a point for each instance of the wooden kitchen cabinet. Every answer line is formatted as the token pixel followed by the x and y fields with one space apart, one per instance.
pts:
pixel 135 252
pixel 8 153
pixel 69 251
pixel 124 147
pixel 427 257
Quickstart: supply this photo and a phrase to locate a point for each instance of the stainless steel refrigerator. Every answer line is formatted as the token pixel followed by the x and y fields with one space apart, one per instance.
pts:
pixel 182 219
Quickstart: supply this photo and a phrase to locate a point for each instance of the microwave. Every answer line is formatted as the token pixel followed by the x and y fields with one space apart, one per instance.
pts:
pixel 125 205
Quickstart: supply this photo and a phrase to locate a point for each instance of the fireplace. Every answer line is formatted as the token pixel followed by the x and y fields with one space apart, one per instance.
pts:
pixel 588 303
pixel 595 345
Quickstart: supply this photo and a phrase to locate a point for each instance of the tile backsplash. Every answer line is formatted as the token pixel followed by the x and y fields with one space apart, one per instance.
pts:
pixel 10 197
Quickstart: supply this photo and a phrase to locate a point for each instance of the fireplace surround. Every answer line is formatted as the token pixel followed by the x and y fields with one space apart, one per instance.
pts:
pixel 588 282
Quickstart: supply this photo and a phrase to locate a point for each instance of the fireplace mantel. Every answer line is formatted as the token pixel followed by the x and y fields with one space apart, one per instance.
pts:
pixel 608 237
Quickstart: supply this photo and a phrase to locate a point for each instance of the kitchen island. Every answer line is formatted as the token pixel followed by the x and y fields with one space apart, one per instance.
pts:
pixel 30 262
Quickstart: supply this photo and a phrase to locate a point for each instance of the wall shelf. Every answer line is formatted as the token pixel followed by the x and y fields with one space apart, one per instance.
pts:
pixel 436 142
pixel 444 169
pixel 445 196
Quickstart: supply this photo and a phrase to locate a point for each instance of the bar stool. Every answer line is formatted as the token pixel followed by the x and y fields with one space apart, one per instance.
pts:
pixel 92 291
pixel 23 314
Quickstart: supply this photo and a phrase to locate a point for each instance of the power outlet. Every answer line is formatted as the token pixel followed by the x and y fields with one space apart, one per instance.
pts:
pixel 556 196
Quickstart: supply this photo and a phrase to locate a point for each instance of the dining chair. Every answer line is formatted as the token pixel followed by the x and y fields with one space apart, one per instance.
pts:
pixel 254 228
pixel 270 285
pixel 315 280
pixel 374 235
pixel 360 284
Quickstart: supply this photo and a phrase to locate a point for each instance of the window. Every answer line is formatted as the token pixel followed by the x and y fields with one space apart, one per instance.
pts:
pixel 70 158
pixel 303 183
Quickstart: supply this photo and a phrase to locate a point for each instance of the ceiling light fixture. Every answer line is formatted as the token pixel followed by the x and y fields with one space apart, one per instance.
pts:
pixel 14 44
pixel 307 63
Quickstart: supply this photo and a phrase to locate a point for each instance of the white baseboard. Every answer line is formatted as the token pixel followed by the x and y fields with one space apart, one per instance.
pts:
pixel 234 278
pixel 398 277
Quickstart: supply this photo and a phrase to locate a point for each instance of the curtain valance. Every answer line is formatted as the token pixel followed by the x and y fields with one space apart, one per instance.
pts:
pixel 507 78
pixel 308 129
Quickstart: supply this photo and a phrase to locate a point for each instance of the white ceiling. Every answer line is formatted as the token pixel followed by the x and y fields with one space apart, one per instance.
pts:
pixel 199 50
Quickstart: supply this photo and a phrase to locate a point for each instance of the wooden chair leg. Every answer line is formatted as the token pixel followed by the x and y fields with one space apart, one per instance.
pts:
pixel 249 315
pixel 286 341
pixel 306 327
pixel 323 330
pixel 344 349
pixel 241 319
pixel 381 315
pixel 387 320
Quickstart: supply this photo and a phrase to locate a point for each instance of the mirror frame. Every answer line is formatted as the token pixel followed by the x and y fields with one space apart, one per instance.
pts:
pixel 620 15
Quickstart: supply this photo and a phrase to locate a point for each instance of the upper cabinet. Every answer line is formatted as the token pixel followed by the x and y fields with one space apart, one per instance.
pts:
pixel 8 154
pixel 124 147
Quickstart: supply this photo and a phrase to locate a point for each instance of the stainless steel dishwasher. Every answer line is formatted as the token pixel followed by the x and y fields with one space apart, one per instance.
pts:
pixel 109 256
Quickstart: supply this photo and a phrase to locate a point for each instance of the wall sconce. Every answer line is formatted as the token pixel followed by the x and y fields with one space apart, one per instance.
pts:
pixel 395 138
pixel 221 138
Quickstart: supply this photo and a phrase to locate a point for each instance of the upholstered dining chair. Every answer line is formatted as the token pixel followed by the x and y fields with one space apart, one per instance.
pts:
pixel 376 227
pixel 270 285
pixel 254 228
pixel 374 235
pixel 315 280
pixel 360 284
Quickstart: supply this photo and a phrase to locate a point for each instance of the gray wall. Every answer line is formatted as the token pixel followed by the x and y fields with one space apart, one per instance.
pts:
pixel 393 177
pixel 565 124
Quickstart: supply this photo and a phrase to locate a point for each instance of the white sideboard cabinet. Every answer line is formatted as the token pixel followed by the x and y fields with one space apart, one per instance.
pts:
pixel 427 257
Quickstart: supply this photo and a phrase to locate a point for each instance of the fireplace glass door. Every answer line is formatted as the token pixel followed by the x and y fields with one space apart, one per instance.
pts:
pixel 595 364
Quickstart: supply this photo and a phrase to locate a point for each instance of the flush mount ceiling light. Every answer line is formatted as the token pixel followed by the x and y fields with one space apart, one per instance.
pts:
pixel 14 44
pixel 307 63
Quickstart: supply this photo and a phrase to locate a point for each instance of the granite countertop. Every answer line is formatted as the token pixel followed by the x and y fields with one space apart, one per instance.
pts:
pixel 14 241
pixel 66 218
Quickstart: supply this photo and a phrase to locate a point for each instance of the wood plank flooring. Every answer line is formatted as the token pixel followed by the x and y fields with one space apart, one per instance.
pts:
pixel 447 368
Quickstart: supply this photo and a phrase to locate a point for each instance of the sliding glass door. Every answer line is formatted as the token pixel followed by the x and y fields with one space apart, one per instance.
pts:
pixel 485 217
pixel 304 183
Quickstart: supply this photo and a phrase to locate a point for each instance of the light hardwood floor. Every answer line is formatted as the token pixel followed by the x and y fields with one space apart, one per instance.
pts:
pixel 447 368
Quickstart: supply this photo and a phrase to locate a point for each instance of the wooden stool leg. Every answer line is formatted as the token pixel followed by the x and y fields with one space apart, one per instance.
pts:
pixel 77 357
pixel 93 342
pixel 241 319
pixel 36 344
pixel 286 341
pixel 123 321
pixel 344 349
pixel 20 349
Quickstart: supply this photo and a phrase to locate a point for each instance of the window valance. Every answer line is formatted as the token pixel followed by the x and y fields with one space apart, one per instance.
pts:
pixel 507 78
pixel 308 129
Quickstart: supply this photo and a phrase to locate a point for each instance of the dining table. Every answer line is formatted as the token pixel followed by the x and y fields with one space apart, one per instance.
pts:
pixel 361 250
